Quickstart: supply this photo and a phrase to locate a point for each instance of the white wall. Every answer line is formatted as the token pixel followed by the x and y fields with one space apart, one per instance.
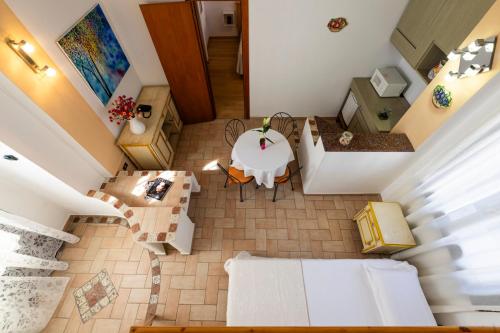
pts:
pixel 53 173
pixel 29 191
pixel 48 20
pixel 23 201
pixel 298 66
pixel 416 83
pixel 30 131
pixel 215 19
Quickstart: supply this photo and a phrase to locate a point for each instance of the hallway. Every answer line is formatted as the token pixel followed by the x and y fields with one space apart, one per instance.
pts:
pixel 227 85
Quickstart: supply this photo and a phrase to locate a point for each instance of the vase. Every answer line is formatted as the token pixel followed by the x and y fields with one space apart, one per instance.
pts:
pixel 136 126
pixel 262 141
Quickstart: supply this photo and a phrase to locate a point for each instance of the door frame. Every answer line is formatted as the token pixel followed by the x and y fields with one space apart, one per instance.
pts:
pixel 245 51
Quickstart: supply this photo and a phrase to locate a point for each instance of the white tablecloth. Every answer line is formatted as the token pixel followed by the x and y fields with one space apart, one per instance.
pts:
pixel 265 164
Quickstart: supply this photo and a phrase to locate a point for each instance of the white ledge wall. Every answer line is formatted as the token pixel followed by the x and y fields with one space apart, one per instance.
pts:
pixel 29 187
pixel 298 66
pixel 346 172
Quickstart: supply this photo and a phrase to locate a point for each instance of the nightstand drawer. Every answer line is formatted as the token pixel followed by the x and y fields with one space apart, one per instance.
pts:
pixel 367 237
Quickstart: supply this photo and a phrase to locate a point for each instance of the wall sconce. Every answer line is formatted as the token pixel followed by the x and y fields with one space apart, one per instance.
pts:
pixel 24 50
pixel 476 58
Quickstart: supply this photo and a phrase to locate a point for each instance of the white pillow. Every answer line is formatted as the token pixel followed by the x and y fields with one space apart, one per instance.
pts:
pixel 399 296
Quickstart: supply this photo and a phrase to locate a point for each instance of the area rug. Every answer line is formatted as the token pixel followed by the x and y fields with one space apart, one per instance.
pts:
pixel 94 295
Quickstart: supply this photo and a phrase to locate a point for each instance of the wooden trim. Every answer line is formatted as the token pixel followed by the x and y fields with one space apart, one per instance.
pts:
pixel 245 49
pixel 204 55
pixel 246 57
pixel 383 329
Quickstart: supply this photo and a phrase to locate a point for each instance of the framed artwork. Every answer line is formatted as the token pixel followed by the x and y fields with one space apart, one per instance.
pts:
pixel 93 49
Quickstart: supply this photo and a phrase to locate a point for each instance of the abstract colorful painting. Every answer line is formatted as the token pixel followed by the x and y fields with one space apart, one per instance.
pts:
pixel 94 50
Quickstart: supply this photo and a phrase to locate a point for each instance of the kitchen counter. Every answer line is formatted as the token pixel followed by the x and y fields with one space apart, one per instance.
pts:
pixel 367 165
pixel 330 131
pixel 371 104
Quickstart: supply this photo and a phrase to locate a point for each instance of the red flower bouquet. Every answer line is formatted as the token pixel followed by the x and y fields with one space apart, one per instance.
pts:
pixel 123 109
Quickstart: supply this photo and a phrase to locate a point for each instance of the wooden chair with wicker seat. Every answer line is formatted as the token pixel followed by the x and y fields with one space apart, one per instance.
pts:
pixel 283 123
pixel 283 179
pixel 235 176
pixel 234 128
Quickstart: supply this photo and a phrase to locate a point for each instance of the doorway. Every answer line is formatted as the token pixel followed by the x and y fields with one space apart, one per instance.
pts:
pixel 220 26
pixel 176 29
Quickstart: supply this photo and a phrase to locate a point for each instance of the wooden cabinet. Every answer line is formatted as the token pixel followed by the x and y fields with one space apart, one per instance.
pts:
pixel 359 124
pixel 412 35
pixel 155 148
pixel 457 20
pixel 365 119
pixel 383 228
pixel 429 29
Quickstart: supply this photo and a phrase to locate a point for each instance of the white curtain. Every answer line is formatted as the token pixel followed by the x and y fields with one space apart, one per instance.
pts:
pixel 451 199
pixel 34 257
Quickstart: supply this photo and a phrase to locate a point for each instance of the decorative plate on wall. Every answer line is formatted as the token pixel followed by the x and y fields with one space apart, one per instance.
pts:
pixel 337 24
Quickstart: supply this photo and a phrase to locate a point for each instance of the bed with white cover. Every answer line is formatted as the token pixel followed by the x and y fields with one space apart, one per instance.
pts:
pixel 319 292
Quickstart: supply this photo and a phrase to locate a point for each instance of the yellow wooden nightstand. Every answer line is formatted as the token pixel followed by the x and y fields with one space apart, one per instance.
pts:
pixel 383 228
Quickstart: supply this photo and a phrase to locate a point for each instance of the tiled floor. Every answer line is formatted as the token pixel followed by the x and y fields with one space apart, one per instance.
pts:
pixel 194 288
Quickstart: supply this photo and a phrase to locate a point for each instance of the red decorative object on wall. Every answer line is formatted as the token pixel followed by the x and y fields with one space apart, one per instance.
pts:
pixel 337 24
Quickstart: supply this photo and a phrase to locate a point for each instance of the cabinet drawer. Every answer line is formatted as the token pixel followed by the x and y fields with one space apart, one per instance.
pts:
pixel 366 231
pixel 175 115
pixel 164 151
pixel 143 157
pixel 405 47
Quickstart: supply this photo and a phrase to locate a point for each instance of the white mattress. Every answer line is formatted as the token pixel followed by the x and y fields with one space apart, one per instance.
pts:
pixel 267 291
pixel 314 292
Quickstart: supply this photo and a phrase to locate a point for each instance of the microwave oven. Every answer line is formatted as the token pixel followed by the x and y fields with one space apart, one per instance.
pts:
pixel 388 82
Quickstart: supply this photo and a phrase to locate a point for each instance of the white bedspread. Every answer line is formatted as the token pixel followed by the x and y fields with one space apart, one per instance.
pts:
pixel 313 292
pixel 270 292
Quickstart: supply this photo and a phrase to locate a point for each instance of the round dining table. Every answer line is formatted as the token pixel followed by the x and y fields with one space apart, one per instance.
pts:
pixel 263 164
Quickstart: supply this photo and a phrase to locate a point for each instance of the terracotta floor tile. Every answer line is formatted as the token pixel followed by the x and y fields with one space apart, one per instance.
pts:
pixel 106 325
pixel 182 282
pixel 193 290
pixel 120 303
pixel 203 312
pixel 139 295
pixel 125 267
pixel 192 297
pixel 133 281
pixel 172 304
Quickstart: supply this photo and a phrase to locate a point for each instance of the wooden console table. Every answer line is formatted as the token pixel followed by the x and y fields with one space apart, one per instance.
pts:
pixel 155 148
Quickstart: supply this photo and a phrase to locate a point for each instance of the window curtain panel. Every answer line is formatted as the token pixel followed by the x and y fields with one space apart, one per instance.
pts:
pixel 28 303
pixel 28 295
pixel 30 248
pixel 451 198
